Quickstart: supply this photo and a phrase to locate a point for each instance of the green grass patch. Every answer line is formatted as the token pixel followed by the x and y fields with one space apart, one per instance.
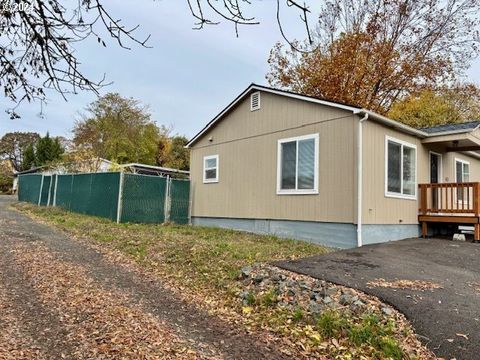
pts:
pixel 209 258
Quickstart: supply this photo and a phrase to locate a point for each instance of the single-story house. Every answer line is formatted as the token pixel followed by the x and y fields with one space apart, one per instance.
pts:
pixel 277 162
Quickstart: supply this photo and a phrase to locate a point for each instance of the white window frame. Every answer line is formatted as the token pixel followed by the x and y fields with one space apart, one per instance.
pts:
pixel 455 160
pixel 296 191
pixel 440 176
pixel 463 162
pixel 217 167
pixel 259 101
pixel 394 194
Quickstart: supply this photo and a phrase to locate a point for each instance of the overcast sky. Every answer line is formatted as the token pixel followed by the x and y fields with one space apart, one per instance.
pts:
pixel 187 76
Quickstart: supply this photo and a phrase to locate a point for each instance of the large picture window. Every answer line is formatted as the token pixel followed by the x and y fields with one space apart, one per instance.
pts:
pixel 401 163
pixel 297 167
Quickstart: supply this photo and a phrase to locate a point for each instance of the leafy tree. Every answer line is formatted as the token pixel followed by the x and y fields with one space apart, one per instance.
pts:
pixel 118 129
pixel 37 40
pixel 372 53
pixel 447 105
pixel 13 146
pixel 172 153
pixel 47 150
pixel 6 176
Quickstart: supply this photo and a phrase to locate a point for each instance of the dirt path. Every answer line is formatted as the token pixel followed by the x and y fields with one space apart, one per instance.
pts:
pixel 60 298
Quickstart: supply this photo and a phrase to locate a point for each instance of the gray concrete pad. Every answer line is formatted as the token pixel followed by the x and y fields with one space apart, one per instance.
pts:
pixel 442 316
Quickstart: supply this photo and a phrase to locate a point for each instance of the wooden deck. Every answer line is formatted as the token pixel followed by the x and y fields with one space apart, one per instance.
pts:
pixel 456 203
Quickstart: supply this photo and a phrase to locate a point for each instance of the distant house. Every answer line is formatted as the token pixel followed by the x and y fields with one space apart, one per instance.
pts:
pixel 145 169
pixel 277 162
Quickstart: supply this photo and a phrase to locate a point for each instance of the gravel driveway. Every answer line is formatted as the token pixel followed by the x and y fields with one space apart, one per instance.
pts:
pixel 59 298
pixel 447 319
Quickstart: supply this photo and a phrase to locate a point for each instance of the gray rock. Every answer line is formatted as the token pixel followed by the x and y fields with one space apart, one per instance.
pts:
pixel 345 299
pixel 327 300
pixel 304 286
pixel 359 303
pixel 291 292
pixel 244 294
pixel 258 278
pixel 387 311
pixel 276 278
pixel 315 308
pixel 246 271
pixel 329 291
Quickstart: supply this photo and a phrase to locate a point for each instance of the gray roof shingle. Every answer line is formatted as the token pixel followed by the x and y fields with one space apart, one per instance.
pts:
pixel 470 125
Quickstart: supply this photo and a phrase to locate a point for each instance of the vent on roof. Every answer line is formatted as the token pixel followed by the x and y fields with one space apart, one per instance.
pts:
pixel 255 101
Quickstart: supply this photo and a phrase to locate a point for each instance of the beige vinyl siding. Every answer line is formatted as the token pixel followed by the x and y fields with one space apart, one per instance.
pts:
pixel 246 143
pixel 381 209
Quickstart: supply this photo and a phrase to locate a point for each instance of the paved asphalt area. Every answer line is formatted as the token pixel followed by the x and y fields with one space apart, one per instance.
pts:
pixel 443 318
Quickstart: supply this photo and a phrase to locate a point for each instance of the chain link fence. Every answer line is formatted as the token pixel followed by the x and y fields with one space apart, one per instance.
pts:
pixel 117 196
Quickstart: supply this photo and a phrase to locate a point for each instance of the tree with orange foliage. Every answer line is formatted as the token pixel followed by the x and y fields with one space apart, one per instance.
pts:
pixel 373 53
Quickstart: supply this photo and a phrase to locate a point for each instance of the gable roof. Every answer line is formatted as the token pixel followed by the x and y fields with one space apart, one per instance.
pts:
pixel 461 127
pixel 254 87
pixel 421 133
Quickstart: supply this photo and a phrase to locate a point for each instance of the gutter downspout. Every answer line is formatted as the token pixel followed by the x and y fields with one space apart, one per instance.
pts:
pixel 360 179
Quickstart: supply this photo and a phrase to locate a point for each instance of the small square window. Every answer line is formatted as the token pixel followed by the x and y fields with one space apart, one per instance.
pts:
pixel 210 169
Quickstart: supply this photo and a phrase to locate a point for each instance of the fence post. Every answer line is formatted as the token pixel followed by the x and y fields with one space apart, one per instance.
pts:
pixel 167 205
pixel 49 190
pixel 120 198
pixel 40 192
pixel 55 191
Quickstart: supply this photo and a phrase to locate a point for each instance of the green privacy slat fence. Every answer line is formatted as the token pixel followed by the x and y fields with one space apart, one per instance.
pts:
pixel 30 188
pixel 116 196
pixel 143 199
pixel 44 197
pixel 180 201
pixel 63 191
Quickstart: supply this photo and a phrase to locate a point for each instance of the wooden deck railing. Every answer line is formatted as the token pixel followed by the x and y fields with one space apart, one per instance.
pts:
pixel 449 199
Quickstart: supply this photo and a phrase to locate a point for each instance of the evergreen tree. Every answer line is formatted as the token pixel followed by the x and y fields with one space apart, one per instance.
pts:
pixel 47 150
pixel 28 158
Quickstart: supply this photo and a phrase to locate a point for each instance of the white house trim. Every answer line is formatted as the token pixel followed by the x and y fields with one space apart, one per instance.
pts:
pixel 297 191
pixel 440 176
pixel 400 195
pixel 217 167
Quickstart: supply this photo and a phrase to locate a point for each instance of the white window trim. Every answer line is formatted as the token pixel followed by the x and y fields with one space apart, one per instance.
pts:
pixel 205 158
pixel 455 160
pixel 259 101
pixel 393 194
pixel 279 167
pixel 440 180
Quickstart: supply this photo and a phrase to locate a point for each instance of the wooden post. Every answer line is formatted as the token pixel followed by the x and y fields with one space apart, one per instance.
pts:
pixel 424 229
pixel 476 195
pixel 477 232
pixel 423 199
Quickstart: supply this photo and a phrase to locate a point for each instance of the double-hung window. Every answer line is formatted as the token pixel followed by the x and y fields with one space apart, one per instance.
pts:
pixel 297 165
pixel 400 172
pixel 462 174
pixel 210 169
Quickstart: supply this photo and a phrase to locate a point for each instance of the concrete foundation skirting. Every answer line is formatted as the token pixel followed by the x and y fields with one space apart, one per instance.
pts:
pixel 379 233
pixel 338 235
